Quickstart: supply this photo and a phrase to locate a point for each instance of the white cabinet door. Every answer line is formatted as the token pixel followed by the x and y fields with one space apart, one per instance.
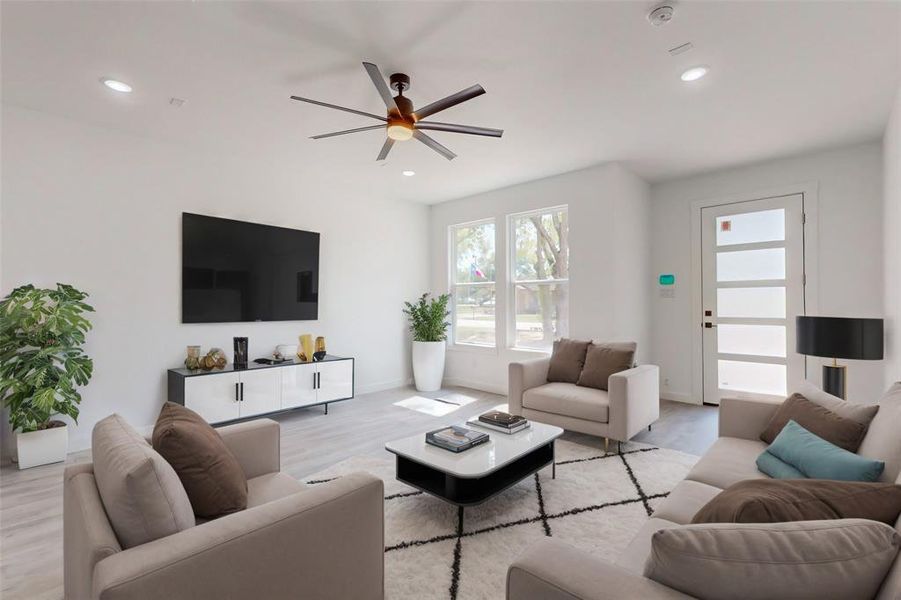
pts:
pixel 260 391
pixel 214 397
pixel 336 380
pixel 298 385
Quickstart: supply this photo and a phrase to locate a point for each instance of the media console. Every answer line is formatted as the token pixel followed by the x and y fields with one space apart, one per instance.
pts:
pixel 231 394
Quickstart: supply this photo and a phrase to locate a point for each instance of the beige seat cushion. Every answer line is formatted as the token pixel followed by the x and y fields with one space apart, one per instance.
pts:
pixel 837 559
pixel 141 493
pixel 269 487
pixel 636 553
pixel 728 461
pixel 883 439
pixel 568 399
pixel 686 499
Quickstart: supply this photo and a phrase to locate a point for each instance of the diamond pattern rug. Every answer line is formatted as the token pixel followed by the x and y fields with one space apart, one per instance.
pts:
pixel 597 502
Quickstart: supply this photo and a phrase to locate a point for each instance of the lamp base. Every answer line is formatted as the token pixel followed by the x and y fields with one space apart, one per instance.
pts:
pixel 834 381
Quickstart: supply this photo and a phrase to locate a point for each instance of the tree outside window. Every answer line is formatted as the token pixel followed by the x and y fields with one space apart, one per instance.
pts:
pixel 473 283
pixel 540 277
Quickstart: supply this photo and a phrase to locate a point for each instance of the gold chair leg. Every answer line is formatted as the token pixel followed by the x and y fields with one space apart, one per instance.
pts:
pixel 606 444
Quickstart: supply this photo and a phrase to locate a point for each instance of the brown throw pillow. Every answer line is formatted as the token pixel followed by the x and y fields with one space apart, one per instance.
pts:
pixel 567 360
pixel 212 476
pixel 782 500
pixel 603 360
pixel 844 433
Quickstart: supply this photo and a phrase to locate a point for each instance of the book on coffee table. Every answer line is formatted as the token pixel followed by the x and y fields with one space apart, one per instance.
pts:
pixel 508 430
pixel 455 438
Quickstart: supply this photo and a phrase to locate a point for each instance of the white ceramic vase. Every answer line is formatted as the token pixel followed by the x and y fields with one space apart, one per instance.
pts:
pixel 428 365
pixel 42 447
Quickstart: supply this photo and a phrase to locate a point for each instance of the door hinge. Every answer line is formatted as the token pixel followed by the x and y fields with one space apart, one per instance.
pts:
pixel 803 218
pixel 804 279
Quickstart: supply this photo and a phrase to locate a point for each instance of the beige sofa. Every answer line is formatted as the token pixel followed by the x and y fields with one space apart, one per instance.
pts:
pixel 550 570
pixel 630 403
pixel 325 541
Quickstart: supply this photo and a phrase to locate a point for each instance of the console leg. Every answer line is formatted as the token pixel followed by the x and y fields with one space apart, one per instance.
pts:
pixel 326 408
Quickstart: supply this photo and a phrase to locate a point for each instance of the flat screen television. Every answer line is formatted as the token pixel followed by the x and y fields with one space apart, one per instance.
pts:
pixel 235 271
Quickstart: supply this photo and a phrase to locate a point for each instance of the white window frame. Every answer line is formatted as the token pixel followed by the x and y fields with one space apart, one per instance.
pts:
pixel 510 309
pixel 452 285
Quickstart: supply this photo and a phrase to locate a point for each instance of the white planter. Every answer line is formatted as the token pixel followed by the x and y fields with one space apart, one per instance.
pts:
pixel 428 365
pixel 42 447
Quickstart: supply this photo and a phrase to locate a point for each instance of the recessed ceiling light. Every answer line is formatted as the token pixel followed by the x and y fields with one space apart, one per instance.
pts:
pixel 409 173
pixel 694 73
pixel 118 86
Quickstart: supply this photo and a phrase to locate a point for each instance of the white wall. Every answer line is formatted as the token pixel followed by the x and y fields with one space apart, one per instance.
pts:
pixel 609 260
pixel 849 182
pixel 892 235
pixel 102 210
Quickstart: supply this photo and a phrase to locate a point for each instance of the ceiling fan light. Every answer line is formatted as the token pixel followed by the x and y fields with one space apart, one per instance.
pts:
pixel 400 132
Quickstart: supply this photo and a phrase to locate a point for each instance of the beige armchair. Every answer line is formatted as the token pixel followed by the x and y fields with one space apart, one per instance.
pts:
pixel 630 403
pixel 292 541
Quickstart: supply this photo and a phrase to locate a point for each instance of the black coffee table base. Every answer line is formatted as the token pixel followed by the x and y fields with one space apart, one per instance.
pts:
pixel 467 491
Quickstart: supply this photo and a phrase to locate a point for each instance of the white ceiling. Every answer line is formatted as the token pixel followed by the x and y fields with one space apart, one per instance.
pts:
pixel 573 84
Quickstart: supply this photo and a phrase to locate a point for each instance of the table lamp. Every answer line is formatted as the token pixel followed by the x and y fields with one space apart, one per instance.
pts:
pixel 839 337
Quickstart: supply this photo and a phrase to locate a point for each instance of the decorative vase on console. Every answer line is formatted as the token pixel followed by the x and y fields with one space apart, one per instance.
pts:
pixel 429 327
pixel 320 353
pixel 305 349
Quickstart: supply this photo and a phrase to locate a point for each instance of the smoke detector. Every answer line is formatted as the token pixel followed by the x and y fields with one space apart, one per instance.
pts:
pixel 661 15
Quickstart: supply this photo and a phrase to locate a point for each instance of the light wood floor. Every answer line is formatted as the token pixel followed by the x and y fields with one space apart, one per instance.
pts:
pixel 31 507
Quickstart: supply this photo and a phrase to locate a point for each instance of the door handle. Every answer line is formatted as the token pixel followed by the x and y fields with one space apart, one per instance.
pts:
pixel 242 391
pixel 314 380
pixel 236 392
pixel 708 325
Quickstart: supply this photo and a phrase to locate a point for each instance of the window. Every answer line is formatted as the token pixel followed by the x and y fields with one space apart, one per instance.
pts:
pixel 539 256
pixel 473 283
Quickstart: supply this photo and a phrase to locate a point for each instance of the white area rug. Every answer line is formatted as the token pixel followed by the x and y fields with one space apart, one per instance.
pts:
pixel 597 503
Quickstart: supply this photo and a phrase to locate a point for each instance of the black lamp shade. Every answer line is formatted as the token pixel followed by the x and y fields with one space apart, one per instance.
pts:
pixel 840 337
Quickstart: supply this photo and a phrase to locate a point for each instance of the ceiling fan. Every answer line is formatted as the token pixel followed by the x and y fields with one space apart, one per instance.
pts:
pixel 402 121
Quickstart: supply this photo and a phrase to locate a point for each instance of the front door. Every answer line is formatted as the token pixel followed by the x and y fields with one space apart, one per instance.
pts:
pixel 753 288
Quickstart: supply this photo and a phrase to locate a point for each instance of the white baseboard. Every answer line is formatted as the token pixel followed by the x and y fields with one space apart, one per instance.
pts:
pixel 483 386
pixel 679 397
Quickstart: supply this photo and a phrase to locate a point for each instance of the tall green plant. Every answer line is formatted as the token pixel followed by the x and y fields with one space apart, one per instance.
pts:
pixel 427 318
pixel 41 359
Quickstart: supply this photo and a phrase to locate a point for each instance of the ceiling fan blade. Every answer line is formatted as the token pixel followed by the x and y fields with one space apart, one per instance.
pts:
pixel 346 131
pixel 452 100
pixel 386 148
pixel 381 86
pixel 487 131
pixel 434 145
pixel 335 106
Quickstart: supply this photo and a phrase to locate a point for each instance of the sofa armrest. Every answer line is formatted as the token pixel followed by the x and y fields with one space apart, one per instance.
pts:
pixel 524 376
pixel 325 542
pixel 256 445
pixel 634 400
pixel 745 419
pixel 551 570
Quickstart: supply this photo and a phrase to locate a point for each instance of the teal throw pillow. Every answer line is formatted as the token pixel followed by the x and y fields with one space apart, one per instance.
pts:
pixel 818 459
pixel 776 468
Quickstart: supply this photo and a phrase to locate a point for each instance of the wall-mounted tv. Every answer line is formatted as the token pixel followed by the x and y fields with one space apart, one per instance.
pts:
pixel 236 271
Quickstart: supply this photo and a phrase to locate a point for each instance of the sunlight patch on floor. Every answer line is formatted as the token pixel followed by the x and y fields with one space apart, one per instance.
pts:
pixel 438 405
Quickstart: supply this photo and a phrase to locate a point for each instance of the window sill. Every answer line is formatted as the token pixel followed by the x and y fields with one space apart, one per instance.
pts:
pixel 473 349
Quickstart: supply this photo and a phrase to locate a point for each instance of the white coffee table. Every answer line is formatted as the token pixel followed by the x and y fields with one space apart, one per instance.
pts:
pixel 478 474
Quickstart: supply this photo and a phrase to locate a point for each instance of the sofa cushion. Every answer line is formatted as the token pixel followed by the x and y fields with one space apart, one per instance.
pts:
pixel 686 499
pixel 567 360
pixel 862 413
pixel 635 555
pixel 883 441
pixel 603 360
pixel 728 461
pixel 847 558
pixel 818 459
pixel 568 399
pixel 212 476
pixel 819 420
pixel 141 493
pixel 271 486
pixel 770 501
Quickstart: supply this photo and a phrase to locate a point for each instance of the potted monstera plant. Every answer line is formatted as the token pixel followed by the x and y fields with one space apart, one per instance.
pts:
pixel 428 323
pixel 42 332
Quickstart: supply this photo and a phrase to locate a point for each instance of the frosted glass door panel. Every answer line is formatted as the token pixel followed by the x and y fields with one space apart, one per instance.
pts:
pixel 751 265
pixel 759 340
pixel 757 378
pixel 757 303
pixel 751 228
